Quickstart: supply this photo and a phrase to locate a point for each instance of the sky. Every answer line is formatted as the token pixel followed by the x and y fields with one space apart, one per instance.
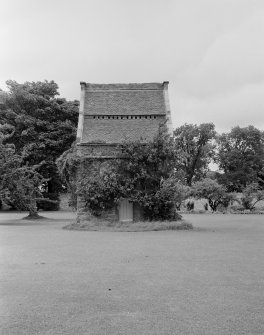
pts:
pixel 211 51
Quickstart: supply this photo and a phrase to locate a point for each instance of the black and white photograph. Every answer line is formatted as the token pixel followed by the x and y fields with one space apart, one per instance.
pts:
pixel 132 167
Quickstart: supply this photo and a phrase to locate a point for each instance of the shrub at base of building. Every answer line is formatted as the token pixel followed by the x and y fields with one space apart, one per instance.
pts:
pixel 99 186
pixel 142 174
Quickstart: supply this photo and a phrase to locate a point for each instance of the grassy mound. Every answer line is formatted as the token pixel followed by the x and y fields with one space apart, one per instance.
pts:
pixel 131 226
pixel 34 217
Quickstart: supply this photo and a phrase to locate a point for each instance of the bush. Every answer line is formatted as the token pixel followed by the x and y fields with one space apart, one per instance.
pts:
pixel 100 186
pixel 252 194
pixel 144 174
pixel 159 206
pixel 212 191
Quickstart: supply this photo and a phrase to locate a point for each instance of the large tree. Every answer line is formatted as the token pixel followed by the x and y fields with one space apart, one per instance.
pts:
pixel 240 156
pixel 43 126
pixel 19 184
pixel 194 149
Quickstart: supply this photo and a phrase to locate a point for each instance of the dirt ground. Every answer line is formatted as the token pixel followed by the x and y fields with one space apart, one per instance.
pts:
pixel 201 282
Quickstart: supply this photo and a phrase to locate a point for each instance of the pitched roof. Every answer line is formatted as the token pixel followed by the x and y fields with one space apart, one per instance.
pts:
pixel 113 113
pixel 124 99
pixel 129 86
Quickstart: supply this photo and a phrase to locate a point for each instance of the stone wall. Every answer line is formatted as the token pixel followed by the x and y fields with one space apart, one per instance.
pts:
pixel 97 150
pixel 84 215
pixel 117 129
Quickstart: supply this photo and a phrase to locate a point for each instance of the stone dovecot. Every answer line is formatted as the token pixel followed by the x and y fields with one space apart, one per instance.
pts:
pixel 113 113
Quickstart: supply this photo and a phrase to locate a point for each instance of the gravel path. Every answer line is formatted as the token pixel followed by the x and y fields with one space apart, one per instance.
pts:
pixel 201 282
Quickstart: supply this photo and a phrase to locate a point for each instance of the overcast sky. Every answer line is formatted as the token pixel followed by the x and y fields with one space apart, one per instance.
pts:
pixel 211 51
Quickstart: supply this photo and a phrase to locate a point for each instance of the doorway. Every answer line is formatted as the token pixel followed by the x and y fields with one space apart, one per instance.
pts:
pixel 125 211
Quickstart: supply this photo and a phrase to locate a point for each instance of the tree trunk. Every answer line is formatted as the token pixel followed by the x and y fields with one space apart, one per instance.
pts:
pixel 189 178
pixel 33 210
pixel 213 205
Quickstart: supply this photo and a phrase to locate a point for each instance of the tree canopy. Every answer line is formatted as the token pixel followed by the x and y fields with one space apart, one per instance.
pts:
pixel 40 125
pixel 194 150
pixel 20 184
pixel 240 155
pixel 212 191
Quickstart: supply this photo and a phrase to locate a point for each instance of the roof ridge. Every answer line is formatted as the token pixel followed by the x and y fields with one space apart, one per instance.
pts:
pixel 124 86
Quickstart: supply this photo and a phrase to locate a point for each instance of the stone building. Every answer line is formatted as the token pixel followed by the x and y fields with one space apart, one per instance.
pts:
pixel 113 113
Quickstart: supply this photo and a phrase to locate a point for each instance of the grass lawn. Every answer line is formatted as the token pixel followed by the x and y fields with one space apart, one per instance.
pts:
pixel 199 282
